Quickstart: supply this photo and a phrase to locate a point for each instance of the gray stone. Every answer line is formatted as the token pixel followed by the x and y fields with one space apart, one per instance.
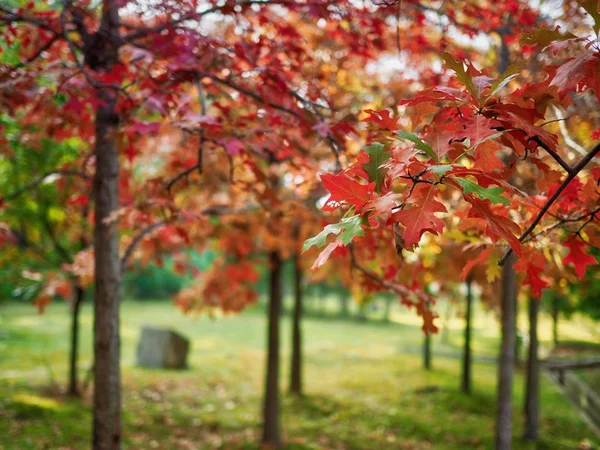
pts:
pixel 161 348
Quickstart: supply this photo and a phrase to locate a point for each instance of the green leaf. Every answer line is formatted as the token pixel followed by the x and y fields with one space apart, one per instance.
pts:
pixel 490 193
pixel 591 7
pixel 461 74
pixel 377 156
pixel 347 229
pixel 441 169
pixel 423 146
pixel 544 37
pixel 509 74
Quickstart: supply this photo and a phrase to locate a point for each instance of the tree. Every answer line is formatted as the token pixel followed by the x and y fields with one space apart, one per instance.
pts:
pixel 48 222
pixel 406 183
pixel 127 72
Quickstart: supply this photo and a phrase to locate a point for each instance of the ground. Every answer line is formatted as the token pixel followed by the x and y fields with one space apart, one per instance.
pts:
pixel 365 386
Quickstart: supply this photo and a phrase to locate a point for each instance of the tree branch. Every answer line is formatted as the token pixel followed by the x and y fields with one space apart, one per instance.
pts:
pixel 572 174
pixel 39 181
pixel 552 153
pixel 252 94
pixel 136 240
pixel 200 162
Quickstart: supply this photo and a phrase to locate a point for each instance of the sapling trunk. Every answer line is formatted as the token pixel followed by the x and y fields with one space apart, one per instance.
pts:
pixel 271 433
pixel 466 367
pixel 532 385
pixel 296 367
pixel 506 357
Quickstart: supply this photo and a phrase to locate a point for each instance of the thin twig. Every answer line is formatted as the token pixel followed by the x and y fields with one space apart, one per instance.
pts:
pixel 40 180
pixel 572 174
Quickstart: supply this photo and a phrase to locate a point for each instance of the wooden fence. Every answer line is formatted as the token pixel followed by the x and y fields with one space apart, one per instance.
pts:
pixel 575 389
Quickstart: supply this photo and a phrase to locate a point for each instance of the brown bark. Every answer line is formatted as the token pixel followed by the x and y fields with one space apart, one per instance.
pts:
pixel 78 296
pixel 506 357
pixel 101 52
pixel 466 368
pixel 532 386
pixel 271 433
pixel 296 368
pixel 107 377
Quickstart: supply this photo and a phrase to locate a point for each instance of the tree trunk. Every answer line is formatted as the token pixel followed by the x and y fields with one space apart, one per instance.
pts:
pixel 296 369
pixel 445 332
pixel 387 308
pixel 344 310
pixel 507 356
pixel 361 314
pixel 101 53
pixel 466 369
pixel 532 386
pixel 271 434
pixel 107 377
pixel 427 351
pixel 79 293
pixel 555 316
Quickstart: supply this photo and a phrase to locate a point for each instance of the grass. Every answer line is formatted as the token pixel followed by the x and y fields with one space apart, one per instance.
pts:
pixel 365 386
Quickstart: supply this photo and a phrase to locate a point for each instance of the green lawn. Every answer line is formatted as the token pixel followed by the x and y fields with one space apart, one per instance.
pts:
pixel 365 386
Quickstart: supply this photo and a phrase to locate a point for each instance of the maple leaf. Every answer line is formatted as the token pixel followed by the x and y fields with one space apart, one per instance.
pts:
pixel 382 118
pixel 497 226
pixel 420 217
pixel 325 254
pixel 440 139
pixel 344 189
pixel 578 256
pixel 377 156
pixel 577 74
pixel 532 264
pixel 419 144
pixel 545 36
pixel 591 7
pixel 478 129
pixel 461 75
pixel 486 158
pixel 490 193
pixel 428 315
pixel 349 227
pixel 483 256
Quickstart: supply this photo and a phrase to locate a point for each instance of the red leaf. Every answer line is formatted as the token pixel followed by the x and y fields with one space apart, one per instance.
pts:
pixel 344 189
pixel 473 262
pixel 325 254
pixel 578 256
pixel 497 226
pixel 577 74
pixel 532 264
pixel 382 118
pixel 420 217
